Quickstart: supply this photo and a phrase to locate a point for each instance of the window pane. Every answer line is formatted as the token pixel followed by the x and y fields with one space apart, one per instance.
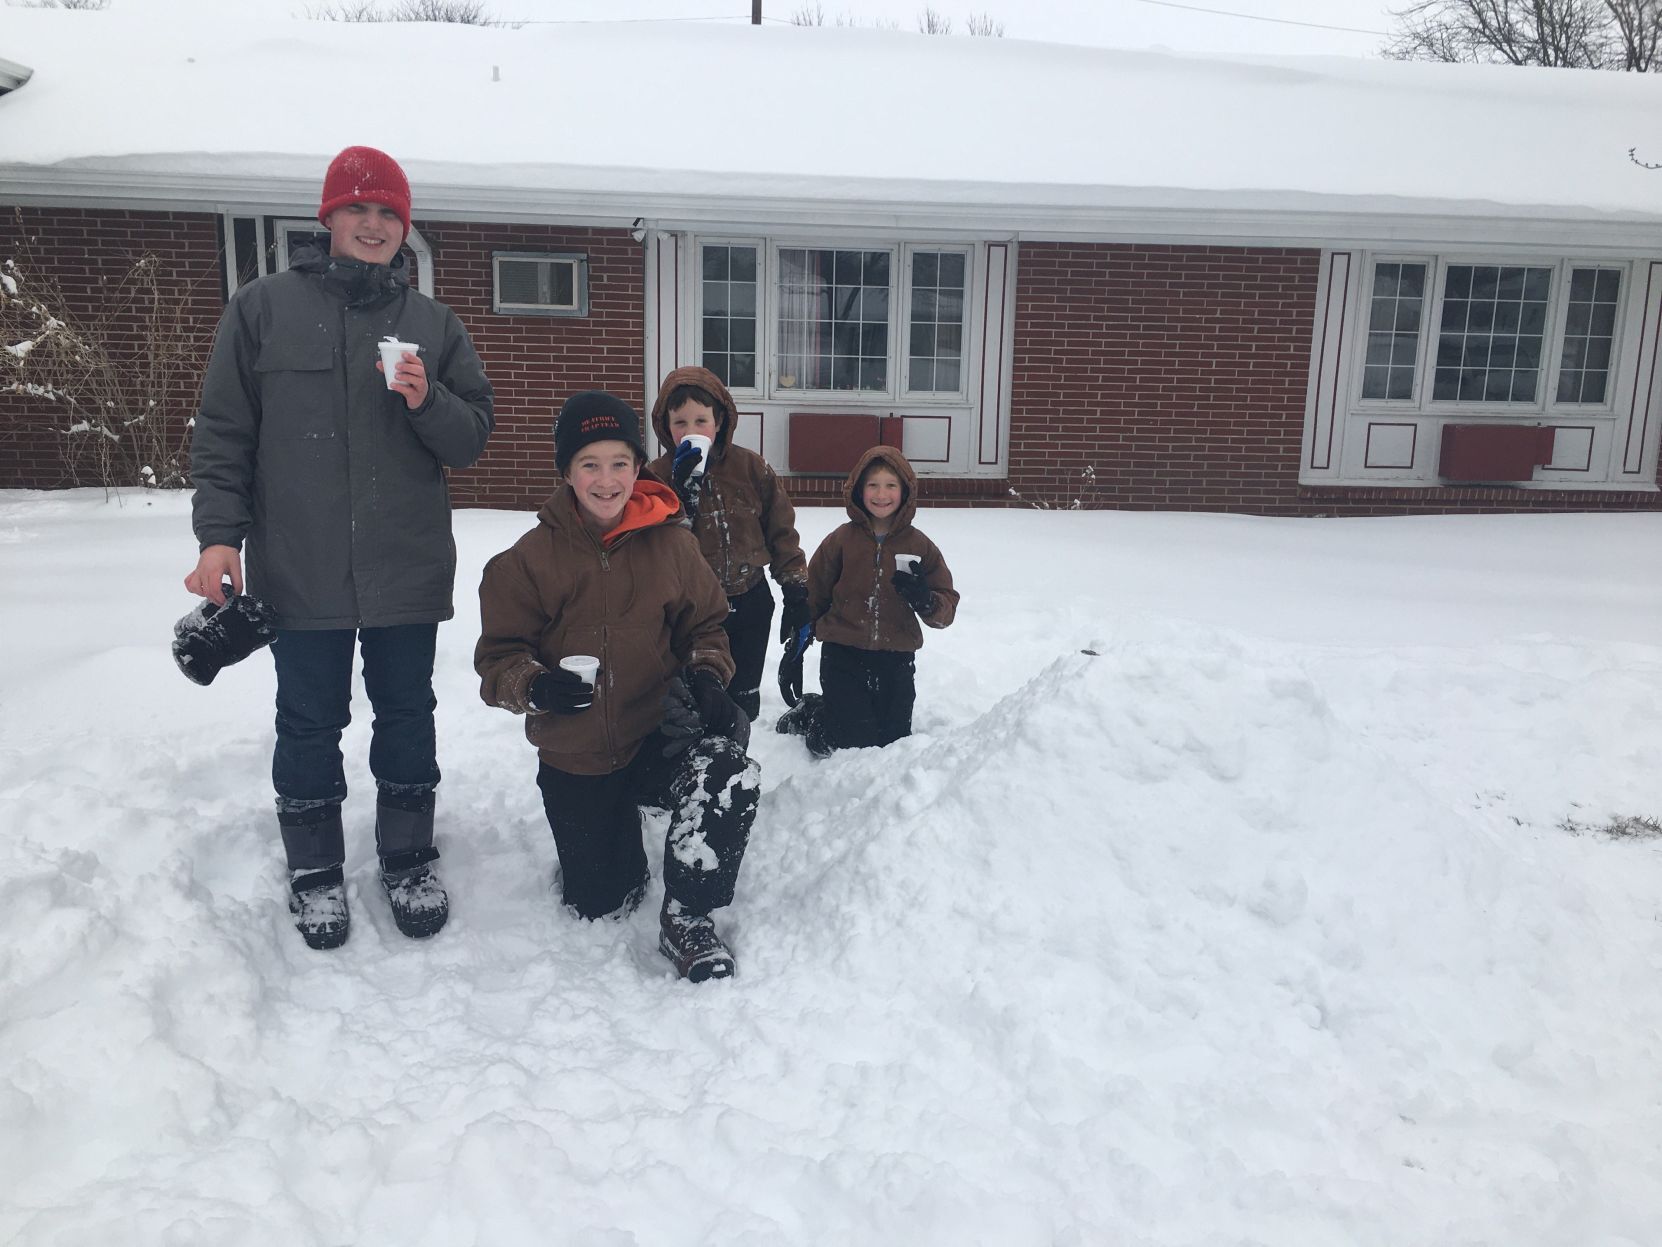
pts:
pixel 1393 331
pixel 517 281
pixel 1489 343
pixel 833 323
pixel 728 292
pixel 1589 335
pixel 937 316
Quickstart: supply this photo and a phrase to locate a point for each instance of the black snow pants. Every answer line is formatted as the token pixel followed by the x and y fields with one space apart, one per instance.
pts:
pixel 749 628
pixel 710 793
pixel 868 696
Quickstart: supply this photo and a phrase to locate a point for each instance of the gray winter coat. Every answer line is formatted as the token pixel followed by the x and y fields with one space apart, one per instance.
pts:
pixel 300 449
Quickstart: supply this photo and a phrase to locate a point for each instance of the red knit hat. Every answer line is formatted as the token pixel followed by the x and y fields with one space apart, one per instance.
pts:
pixel 364 175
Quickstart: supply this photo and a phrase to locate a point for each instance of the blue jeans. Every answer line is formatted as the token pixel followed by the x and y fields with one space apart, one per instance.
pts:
pixel 314 700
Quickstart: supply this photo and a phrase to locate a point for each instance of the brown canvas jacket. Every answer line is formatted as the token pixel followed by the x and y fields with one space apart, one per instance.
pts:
pixel 644 603
pixel 850 596
pixel 746 523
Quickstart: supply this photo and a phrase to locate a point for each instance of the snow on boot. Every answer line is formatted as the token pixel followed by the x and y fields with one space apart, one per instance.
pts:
pixel 420 906
pixel 691 942
pixel 317 899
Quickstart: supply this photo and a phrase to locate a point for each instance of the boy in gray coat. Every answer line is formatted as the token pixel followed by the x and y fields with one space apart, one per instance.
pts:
pixel 332 479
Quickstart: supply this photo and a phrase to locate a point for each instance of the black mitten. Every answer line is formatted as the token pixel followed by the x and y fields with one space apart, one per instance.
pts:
pixel 721 716
pixel 914 589
pixel 790 664
pixel 560 692
pixel 795 612
pixel 212 637
pixel 682 725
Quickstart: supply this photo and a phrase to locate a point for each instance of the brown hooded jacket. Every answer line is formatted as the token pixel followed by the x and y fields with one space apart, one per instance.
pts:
pixel 745 518
pixel 851 597
pixel 642 601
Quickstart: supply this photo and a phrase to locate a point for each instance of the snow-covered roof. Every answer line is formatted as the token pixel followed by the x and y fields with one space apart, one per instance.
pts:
pixel 684 124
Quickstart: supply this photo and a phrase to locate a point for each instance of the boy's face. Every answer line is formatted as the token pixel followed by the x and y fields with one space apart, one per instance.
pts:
pixel 880 492
pixel 368 232
pixel 693 416
pixel 603 476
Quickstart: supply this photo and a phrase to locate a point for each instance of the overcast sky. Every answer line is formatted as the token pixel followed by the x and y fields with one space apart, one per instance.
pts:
pixel 1117 23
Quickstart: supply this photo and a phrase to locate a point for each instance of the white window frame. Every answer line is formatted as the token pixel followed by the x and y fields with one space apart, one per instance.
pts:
pixel 579 262
pixel 898 390
pixel 1546 400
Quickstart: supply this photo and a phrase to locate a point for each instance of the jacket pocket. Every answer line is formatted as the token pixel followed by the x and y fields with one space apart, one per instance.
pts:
pixel 297 390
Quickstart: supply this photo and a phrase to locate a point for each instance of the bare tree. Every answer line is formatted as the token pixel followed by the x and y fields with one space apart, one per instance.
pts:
pixel 123 371
pixel 809 15
pixel 983 24
pixel 457 12
pixel 1580 34
pixel 58 4
pixel 933 22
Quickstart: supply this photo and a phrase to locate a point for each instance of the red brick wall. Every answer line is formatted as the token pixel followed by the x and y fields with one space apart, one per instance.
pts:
pixel 86 253
pixel 536 362
pixel 1173 378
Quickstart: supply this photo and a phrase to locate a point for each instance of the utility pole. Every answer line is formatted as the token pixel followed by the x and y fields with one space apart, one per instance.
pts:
pixel 755 12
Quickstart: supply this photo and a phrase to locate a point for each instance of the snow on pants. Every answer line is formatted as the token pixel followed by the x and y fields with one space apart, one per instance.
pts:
pixel 709 792
pixel 749 628
pixel 868 696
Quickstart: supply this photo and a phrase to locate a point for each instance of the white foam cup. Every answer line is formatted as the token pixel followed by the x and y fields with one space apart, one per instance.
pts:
pixel 583 665
pixel 907 562
pixel 703 443
pixel 392 354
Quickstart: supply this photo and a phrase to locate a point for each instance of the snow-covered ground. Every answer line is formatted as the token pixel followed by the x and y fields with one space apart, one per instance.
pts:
pixel 1242 884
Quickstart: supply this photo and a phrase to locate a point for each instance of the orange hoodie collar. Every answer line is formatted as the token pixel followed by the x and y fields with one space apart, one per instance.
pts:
pixel 649 505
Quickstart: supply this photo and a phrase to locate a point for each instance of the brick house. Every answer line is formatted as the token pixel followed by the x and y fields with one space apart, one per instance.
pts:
pixel 1053 275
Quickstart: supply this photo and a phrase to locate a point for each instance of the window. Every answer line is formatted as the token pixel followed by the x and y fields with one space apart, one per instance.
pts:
pixel 552 284
pixel 1517 337
pixel 935 359
pixel 855 320
pixel 728 289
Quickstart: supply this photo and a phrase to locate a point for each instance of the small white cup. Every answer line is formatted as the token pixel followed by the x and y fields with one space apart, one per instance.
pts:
pixel 703 443
pixel 585 666
pixel 907 562
pixel 392 354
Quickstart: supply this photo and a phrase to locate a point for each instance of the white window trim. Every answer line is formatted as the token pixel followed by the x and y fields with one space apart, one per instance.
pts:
pixel 579 262
pixel 898 390
pixel 1627 439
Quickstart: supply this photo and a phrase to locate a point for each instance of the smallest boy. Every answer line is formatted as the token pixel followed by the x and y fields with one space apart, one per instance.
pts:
pixel 866 611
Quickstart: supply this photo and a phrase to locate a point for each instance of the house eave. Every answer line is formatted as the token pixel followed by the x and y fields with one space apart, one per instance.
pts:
pixel 1330 222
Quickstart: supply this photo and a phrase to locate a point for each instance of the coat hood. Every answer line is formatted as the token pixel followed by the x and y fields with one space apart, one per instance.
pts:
pixel 359 283
pixel 649 505
pixel 706 380
pixel 892 459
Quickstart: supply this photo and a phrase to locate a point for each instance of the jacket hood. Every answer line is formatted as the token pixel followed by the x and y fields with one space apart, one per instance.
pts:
pixel 892 459
pixel 356 281
pixel 649 505
pixel 704 379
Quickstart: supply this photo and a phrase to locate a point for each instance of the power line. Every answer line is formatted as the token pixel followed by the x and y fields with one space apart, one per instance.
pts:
pixel 1258 17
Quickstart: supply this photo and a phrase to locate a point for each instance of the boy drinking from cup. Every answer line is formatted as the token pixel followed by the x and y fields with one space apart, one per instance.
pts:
pixel 742 517
pixel 609 573
pixel 871 583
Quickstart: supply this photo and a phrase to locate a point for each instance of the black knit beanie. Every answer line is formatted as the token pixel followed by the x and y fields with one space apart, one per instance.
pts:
pixel 594 416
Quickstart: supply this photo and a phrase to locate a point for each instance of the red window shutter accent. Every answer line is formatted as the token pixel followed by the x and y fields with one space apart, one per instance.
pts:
pixel 830 444
pixel 1493 452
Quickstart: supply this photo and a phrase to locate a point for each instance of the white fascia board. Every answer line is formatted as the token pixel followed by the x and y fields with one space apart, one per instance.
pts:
pixel 13 75
pixel 1153 218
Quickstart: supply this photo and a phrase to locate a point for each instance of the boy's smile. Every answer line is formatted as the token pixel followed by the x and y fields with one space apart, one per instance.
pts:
pixel 880 493
pixel 368 232
pixel 603 474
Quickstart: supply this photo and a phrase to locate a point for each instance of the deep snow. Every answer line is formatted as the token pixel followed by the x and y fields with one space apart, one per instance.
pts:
pixel 1261 924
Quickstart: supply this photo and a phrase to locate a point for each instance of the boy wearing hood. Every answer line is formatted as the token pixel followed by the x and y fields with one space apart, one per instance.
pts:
pixel 743 519
pixel 611 573
pixel 873 585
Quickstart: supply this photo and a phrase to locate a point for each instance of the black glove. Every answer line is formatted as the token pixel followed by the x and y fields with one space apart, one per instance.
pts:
pixel 560 692
pixel 686 461
pixel 795 612
pixel 682 726
pixel 720 715
pixel 914 589
pixel 790 664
